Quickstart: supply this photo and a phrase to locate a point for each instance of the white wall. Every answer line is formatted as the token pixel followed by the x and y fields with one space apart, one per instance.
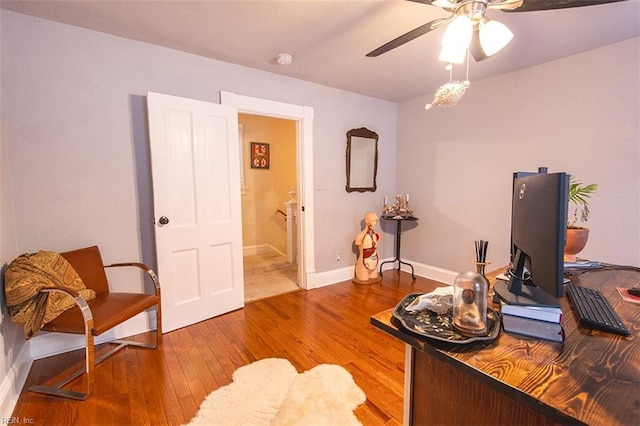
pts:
pixel 78 145
pixel 15 360
pixel 579 114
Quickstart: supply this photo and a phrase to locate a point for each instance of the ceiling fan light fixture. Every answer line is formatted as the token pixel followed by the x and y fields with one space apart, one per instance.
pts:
pixel 456 39
pixel 494 36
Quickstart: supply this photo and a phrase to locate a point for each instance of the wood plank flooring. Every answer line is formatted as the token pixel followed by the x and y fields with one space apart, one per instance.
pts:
pixel 165 386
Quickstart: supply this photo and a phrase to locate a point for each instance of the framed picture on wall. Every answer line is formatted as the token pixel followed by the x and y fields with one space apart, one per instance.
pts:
pixel 259 155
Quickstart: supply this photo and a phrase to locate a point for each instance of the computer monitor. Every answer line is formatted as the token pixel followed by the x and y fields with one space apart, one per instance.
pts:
pixel 538 234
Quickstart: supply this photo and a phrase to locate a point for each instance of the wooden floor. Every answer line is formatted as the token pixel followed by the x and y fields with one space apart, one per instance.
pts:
pixel 167 385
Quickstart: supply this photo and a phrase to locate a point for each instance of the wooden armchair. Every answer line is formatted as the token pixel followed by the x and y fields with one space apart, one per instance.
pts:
pixel 96 316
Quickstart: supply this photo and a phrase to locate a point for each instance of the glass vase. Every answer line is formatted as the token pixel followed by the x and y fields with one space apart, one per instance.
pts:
pixel 480 269
pixel 470 304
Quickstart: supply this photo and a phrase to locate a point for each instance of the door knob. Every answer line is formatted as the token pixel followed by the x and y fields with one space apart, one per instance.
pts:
pixel 163 220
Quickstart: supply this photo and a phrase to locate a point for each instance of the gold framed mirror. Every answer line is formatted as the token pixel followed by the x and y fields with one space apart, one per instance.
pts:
pixel 362 160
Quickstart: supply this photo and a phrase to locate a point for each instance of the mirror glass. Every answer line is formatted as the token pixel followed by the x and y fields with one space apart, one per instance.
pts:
pixel 362 160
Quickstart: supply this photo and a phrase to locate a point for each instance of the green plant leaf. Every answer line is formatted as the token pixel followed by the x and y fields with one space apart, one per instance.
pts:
pixel 579 195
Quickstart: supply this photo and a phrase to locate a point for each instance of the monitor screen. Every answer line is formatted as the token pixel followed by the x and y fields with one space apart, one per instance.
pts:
pixel 538 234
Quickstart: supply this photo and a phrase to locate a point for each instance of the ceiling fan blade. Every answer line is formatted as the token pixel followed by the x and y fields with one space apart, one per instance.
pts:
pixel 448 5
pixel 407 37
pixel 533 5
pixel 506 5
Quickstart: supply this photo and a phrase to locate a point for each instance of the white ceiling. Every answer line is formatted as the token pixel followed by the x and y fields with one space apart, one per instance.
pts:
pixel 329 38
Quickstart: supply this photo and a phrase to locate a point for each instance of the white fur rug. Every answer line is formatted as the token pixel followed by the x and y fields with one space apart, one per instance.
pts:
pixel 271 392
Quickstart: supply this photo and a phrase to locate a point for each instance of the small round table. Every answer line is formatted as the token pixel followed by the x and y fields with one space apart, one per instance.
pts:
pixel 399 220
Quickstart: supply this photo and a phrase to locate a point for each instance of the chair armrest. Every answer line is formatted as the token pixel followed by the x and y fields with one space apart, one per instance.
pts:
pixel 145 268
pixel 78 300
pixel 70 292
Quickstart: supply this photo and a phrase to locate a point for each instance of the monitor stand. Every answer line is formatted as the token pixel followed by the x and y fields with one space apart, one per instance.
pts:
pixel 525 295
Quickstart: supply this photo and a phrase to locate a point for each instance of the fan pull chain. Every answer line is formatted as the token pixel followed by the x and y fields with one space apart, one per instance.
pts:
pixel 467 77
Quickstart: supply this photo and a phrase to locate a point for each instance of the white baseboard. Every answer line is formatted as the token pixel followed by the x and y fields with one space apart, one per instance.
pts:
pixel 260 249
pixel 47 344
pixel 422 270
pixel 322 279
pixel 434 273
pixel 14 381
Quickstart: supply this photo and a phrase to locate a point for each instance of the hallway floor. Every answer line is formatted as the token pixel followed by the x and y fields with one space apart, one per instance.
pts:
pixel 267 275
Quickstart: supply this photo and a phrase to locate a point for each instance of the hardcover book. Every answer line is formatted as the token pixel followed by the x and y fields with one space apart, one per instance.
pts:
pixel 552 331
pixel 542 313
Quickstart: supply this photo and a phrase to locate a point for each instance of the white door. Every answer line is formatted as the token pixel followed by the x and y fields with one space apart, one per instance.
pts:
pixel 198 223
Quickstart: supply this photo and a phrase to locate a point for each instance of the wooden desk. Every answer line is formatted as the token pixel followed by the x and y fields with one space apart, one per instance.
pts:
pixel 591 378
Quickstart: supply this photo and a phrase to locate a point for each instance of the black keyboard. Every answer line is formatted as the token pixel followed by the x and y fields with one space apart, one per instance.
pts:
pixel 594 311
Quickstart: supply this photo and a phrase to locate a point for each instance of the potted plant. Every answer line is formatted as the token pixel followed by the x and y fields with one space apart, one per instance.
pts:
pixel 577 236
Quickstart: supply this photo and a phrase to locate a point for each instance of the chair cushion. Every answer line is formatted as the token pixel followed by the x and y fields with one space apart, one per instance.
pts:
pixel 108 310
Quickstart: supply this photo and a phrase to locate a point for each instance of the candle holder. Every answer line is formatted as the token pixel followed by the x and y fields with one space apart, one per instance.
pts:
pixel 400 208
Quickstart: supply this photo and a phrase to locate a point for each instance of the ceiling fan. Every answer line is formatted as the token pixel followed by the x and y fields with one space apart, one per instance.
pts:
pixel 474 12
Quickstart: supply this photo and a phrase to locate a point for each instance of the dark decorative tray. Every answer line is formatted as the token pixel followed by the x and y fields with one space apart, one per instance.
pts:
pixel 440 327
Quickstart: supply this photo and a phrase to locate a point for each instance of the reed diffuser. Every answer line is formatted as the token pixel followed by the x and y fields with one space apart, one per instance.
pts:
pixel 481 263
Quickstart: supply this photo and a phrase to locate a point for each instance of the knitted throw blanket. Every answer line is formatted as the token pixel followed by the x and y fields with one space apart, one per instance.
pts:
pixel 24 279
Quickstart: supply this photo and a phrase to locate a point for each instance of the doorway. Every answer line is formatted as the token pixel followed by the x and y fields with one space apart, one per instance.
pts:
pixel 303 117
pixel 209 171
pixel 269 205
